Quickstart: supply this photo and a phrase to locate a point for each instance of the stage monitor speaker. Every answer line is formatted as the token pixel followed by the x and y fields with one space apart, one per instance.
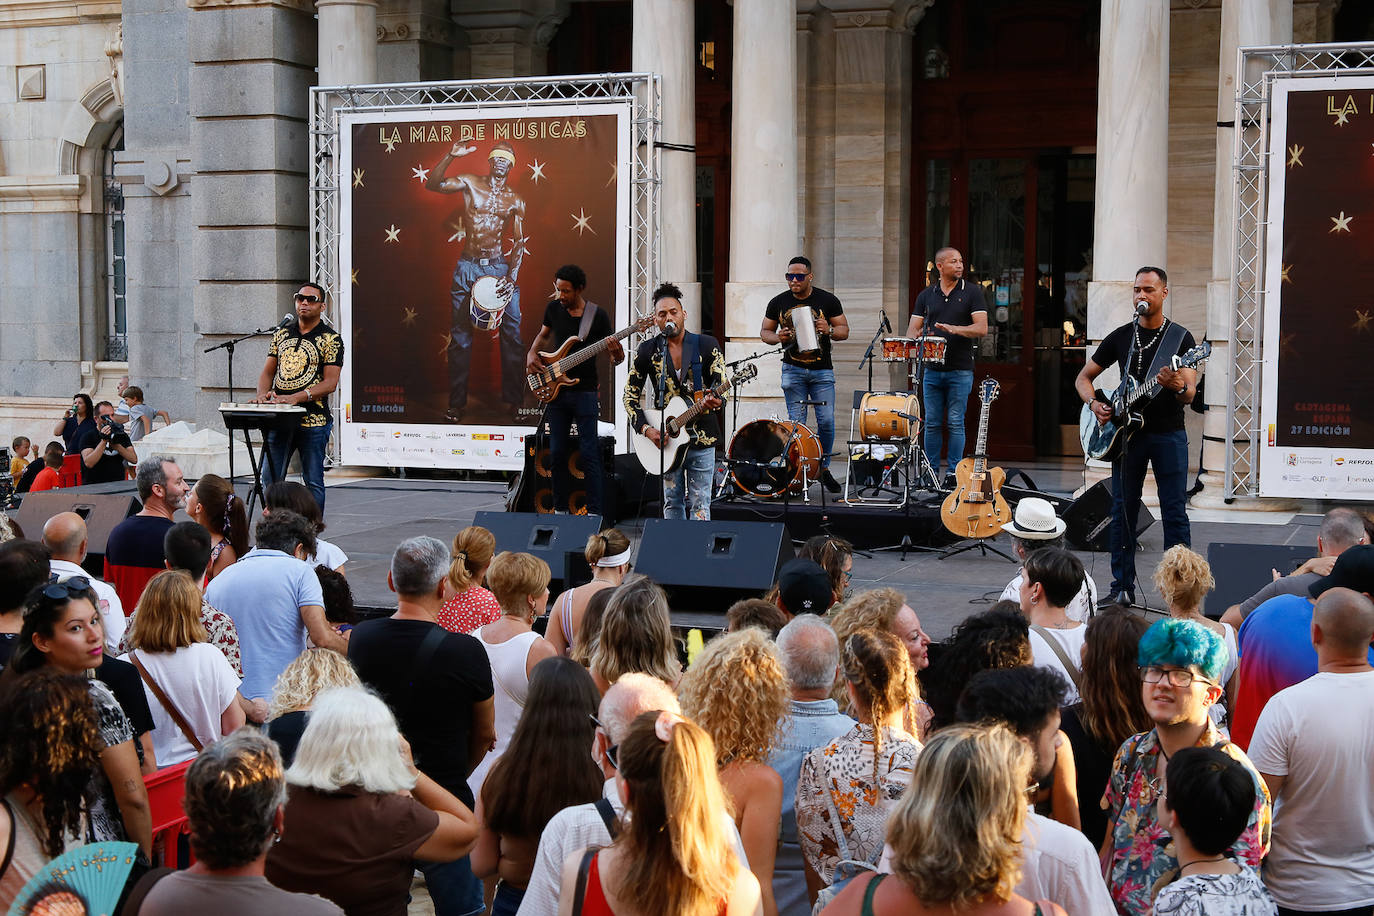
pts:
pixel 536 484
pixel 707 566
pixel 550 537
pixel 1240 570
pixel 100 511
pixel 1089 518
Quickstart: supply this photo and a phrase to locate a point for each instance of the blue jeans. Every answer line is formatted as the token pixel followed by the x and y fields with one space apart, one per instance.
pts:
pixel 562 411
pixel 799 385
pixel 695 476
pixel 465 274
pixel 453 887
pixel 1167 453
pixel 507 900
pixel 310 442
pixel 944 398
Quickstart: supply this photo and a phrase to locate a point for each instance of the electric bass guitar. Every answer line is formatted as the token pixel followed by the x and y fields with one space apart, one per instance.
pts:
pixel 1105 440
pixel 977 509
pixel 673 420
pixel 553 376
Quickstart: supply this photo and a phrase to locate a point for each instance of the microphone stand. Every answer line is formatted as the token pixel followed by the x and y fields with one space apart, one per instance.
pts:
pixel 228 347
pixel 734 414
pixel 661 399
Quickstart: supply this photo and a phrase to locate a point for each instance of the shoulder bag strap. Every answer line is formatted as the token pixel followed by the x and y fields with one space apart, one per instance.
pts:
pixel 841 841
pixel 1059 652
pixel 607 812
pixel 167 704
pixel 580 889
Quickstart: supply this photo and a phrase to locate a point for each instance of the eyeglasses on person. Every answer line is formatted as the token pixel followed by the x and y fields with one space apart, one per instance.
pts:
pixel 1176 677
pixel 612 750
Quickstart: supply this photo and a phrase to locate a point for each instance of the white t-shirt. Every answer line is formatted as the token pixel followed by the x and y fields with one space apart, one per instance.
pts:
pixel 1080 608
pixel 1320 735
pixel 200 682
pixel 328 554
pixel 1043 656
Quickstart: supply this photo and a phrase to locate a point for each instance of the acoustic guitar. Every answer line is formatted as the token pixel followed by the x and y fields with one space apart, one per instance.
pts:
pixel 678 414
pixel 977 509
pixel 553 377
pixel 1105 440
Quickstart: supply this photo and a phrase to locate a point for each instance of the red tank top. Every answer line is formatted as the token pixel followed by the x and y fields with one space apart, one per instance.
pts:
pixel 594 901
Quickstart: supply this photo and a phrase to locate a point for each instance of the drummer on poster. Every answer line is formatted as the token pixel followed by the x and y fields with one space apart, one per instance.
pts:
pixel 958 315
pixel 807 372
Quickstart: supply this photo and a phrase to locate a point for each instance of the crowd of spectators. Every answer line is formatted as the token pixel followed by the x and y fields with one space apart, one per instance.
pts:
pixel 535 758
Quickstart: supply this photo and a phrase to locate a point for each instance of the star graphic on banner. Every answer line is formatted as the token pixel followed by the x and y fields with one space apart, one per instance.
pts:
pixel 409 318
pixel 448 339
pixel 1363 319
pixel 1342 222
pixel 553 293
pixel 582 222
pixel 1286 343
pixel 1283 270
pixel 1295 155
pixel 421 174
pixel 615 173
pixel 357 178
pixel 1341 119
pixel 393 234
pixel 354 276
pixel 390 145
pixel 536 170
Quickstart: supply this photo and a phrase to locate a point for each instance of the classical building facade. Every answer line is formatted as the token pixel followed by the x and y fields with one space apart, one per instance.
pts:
pixel 154 195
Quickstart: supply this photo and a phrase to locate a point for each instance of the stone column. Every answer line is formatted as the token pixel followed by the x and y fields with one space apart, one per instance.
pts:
pixel 1130 227
pixel 1244 23
pixel 764 231
pixel 506 39
pixel 348 42
pixel 664 44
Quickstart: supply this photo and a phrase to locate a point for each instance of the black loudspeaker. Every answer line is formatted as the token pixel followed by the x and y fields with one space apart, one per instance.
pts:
pixel 536 484
pixel 101 512
pixel 550 537
pixel 1089 518
pixel 707 566
pixel 1240 570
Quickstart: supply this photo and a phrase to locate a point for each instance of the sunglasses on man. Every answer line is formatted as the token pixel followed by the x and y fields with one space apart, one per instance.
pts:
pixel 311 299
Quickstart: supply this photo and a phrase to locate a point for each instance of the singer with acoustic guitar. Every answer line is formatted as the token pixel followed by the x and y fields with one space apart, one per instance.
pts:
pixel 572 316
pixel 1144 349
pixel 678 364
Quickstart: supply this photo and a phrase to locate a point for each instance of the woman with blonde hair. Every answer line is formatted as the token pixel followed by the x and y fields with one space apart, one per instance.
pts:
pixel 608 554
pixel 636 635
pixel 847 788
pixel 213 504
pixel 1184 578
pixel 520 583
pixel 886 609
pixel 311 673
pixel 673 854
pixel 471 606
pixel 359 811
pixel 956 833
pixel 737 690
pixel 193 692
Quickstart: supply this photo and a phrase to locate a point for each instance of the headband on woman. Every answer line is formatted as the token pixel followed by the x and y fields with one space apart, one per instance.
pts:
pixel 619 559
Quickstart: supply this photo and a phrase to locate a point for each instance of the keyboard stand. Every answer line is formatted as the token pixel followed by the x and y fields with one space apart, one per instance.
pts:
pixel 246 418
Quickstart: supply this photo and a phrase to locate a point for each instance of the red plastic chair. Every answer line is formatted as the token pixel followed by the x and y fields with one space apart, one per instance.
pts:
pixel 165 790
pixel 69 475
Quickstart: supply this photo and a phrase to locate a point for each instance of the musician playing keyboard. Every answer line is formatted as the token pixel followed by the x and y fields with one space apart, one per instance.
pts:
pixel 302 368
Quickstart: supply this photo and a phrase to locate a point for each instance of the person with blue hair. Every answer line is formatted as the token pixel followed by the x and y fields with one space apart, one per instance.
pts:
pixel 1181 663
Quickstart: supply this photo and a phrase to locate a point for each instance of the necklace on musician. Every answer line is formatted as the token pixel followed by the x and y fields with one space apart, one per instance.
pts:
pixel 1141 348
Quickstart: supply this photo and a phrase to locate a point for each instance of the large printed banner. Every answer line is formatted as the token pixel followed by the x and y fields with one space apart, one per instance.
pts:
pixel 1317 415
pixel 453 223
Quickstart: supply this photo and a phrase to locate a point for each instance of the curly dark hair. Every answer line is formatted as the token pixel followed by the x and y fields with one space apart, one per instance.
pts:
pixel 573 274
pixel 1021 698
pixel 51 744
pixel 283 530
pixel 338 595
pixel 996 638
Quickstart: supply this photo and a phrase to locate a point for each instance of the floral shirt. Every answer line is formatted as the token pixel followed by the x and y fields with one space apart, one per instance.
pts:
pixel 219 627
pixel 468 610
pixel 1141 859
pixel 837 782
pixel 1241 894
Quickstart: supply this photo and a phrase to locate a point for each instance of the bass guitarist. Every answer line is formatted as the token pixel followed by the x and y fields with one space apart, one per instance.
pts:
pixel 682 364
pixel 1144 349
pixel 571 315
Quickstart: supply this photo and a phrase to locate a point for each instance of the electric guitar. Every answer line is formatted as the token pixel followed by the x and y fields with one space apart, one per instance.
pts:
pixel 976 508
pixel 553 376
pixel 1105 440
pixel 673 448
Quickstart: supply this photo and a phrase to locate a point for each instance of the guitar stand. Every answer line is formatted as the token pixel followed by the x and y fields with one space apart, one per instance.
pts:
pixel 979 544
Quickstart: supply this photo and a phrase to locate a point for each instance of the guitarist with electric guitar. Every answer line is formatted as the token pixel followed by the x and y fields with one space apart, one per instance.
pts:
pixel 676 436
pixel 1157 359
pixel 575 331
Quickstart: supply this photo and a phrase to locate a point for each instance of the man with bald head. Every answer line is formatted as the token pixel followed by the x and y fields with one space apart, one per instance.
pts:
pixel 811 657
pixel 66 538
pixel 1313 746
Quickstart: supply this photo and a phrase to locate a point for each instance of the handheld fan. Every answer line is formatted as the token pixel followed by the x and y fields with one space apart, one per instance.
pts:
pixel 85 880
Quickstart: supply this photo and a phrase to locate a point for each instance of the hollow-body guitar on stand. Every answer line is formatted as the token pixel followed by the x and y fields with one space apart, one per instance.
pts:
pixel 977 509
pixel 1104 441
pixel 679 415
pixel 553 377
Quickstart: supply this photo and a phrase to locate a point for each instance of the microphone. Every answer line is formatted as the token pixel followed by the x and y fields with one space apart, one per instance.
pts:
pixel 670 329
pixel 286 321
pixel 1141 308
pixel 887 325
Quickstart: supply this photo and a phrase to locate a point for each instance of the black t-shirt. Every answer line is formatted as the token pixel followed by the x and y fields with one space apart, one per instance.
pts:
pixel 26 479
pixel 123 680
pixel 73 431
pixel 563 326
pixel 110 467
pixel 286 729
pixel 137 541
pixel 957 308
pixel 1165 412
pixel 434 706
pixel 821 300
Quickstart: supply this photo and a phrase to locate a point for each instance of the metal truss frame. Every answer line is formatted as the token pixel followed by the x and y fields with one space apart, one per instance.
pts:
pixel 1258 69
pixel 644 90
